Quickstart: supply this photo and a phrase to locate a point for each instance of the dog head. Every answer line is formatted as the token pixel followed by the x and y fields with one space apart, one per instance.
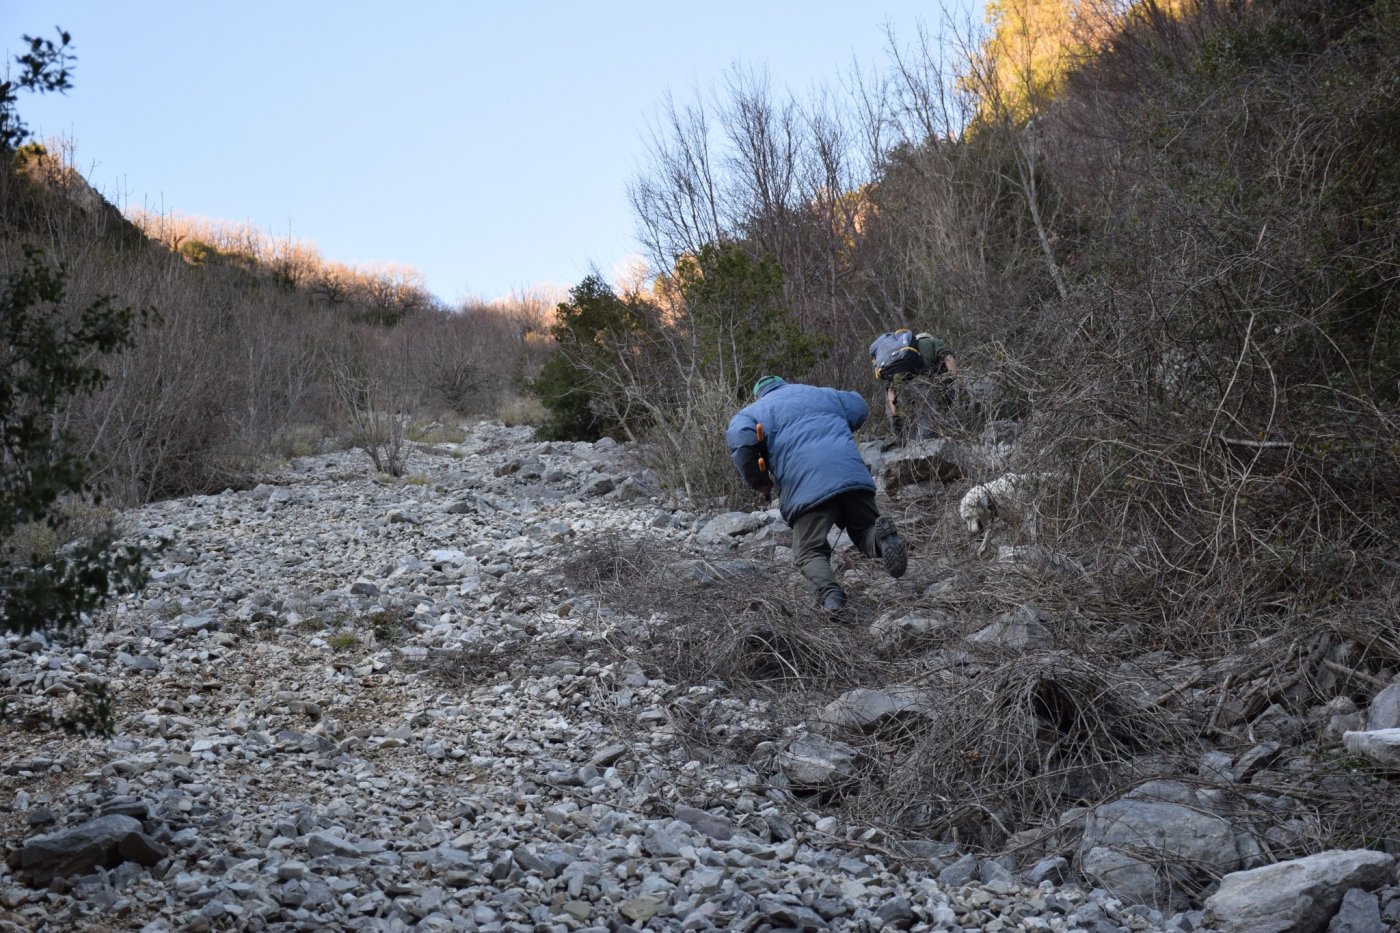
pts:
pixel 977 509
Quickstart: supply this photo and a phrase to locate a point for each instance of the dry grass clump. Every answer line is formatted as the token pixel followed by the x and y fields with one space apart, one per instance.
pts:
pixel 1005 745
pixel 731 621
pixel 515 410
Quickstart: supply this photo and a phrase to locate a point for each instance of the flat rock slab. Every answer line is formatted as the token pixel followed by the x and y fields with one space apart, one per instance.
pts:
pixel 716 827
pixel 101 843
pixel 813 761
pixel 730 525
pixel 921 462
pixel 706 572
pixel 868 710
pixel 1298 896
pixel 1380 745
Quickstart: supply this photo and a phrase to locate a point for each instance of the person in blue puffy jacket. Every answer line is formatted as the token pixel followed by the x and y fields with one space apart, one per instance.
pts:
pixel 796 440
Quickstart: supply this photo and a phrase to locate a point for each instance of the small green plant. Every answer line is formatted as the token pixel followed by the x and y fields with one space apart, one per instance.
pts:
pixel 309 625
pixel 342 642
pixel 386 626
pixel 196 252
pixel 416 479
pixel 73 520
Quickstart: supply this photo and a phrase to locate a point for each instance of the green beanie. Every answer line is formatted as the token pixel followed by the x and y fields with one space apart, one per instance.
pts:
pixel 766 383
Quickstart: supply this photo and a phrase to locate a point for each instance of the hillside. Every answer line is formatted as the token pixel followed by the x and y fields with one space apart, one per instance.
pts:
pixel 355 704
pixel 419 652
pixel 252 349
pixel 477 700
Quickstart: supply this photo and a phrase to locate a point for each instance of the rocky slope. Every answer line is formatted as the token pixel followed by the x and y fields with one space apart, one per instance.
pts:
pixel 352 703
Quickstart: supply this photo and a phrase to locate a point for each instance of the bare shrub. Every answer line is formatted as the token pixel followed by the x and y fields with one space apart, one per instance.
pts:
pixel 687 449
pixel 157 426
pixel 372 376
pixel 1008 736
pixel 466 360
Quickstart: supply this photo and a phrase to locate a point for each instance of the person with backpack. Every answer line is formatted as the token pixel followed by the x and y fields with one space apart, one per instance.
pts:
pixel 902 358
pixel 796 440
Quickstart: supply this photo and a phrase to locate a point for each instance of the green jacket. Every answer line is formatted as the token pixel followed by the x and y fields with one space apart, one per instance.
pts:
pixel 933 351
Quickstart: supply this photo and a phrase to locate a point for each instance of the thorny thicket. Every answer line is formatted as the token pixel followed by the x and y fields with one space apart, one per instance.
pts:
pixel 1175 265
pixel 1006 737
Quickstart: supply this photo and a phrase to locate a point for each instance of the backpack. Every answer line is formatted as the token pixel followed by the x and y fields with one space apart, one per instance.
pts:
pixel 896 354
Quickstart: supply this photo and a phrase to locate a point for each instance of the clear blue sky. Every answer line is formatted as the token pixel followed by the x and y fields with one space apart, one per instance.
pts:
pixel 488 145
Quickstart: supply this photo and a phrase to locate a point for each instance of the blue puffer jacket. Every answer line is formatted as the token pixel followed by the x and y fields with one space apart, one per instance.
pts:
pixel 810 450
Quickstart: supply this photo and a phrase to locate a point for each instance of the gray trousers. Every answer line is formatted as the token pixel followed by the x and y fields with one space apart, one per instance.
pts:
pixel 855 513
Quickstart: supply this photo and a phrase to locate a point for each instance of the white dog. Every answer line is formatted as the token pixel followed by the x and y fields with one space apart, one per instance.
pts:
pixel 1009 498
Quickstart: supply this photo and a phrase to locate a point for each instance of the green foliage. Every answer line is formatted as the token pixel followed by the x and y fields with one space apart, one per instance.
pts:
pixel 387 627
pixel 380 315
pixel 72 520
pixel 45 361
pixel 196 252
pixel 342 642
pixel 571 384
pixel 30 154
pixel 735 307
pixel 670 374
pixel 1228 53
pixel 45 67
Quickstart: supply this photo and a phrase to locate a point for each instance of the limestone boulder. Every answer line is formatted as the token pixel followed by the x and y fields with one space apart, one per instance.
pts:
pixel 1297 896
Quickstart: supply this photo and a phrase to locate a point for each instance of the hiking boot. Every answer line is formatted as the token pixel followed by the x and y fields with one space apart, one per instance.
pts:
pixel 890 546
pixel 835 601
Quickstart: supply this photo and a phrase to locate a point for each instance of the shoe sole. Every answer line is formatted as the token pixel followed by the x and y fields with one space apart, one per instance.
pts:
pixel 893 551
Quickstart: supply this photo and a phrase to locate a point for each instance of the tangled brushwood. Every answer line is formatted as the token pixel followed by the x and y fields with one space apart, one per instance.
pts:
pixel 1006 741
pixel 728 621
pixel 979 733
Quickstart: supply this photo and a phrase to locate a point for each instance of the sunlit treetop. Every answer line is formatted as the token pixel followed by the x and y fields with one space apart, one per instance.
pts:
pixel 1031 46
